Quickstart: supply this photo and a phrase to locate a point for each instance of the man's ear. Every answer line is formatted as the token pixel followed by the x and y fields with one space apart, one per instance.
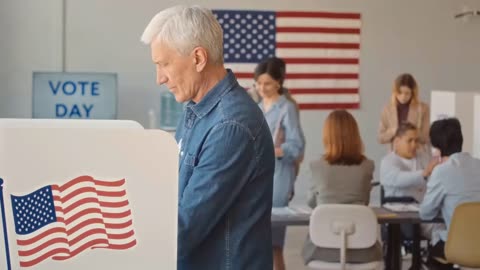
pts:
pixel 200 58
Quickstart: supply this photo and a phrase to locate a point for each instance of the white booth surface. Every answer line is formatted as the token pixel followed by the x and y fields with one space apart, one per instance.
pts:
pixel 88 197
pixel 466 107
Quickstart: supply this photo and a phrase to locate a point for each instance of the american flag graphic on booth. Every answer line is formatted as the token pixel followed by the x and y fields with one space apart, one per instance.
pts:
pixel 61 221
pixel 321 50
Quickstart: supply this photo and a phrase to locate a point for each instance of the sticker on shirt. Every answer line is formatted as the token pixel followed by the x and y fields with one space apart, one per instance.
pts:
pixel 180 147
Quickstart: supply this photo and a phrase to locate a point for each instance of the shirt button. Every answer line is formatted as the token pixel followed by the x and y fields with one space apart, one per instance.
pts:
pixel 181 153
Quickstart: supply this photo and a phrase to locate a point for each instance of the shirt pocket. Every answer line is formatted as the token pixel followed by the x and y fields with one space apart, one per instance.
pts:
pixel 190 160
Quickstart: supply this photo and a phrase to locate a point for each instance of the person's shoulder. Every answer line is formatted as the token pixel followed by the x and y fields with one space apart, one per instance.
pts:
pixel 388 107
pixel 368 164
pixel 391 157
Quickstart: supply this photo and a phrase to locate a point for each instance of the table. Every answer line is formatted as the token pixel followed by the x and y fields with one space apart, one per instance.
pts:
pixel 300 216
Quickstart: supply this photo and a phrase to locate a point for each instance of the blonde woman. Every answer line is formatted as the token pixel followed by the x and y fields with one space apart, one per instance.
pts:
pixel 405 106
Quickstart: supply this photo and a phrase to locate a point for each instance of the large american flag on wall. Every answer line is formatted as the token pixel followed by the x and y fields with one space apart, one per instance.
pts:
pixel 321 50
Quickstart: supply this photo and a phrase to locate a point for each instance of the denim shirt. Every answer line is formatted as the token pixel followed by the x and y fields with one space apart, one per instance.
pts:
pixel 225 182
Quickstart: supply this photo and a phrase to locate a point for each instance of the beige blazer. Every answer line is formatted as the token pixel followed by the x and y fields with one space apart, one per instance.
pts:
pixel 418 114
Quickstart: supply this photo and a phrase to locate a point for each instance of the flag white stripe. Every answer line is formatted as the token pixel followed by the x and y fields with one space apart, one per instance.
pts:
pixel 44 251
pixel 315 37
pixel 84 218
pixel 317 53
pixel 318 22
pixel 299 68
pixel 326 98
pixel 322 83
pixel 117 220
pixel 121 241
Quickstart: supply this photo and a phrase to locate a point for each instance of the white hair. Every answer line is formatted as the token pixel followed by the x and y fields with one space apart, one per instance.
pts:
pixel 185 28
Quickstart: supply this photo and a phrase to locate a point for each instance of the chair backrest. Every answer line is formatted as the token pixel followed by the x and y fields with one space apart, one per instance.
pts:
pixel 358 221
pixel 463 242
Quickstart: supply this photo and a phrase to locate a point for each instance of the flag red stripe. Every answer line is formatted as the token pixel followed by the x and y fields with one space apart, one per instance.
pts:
pixel 42 246
pixel 123 246
pixel 81 248
pixel 114 204
pixel 74 193
pixel 32 240
pixel 246 75
pixel 328 30
pixel 112 193
pixel 327 106
pixel 80 179
pixel 120 235
pixel 322 76
pixel 76 204
pixel 87 234
pixel 43 257
pixel 82 213
pixel 119 225
pixel 117 215
pixel 306 14
pixel 317 45
pixel 323 90
pixel 321 60
pixel 84 224
pixel 117 183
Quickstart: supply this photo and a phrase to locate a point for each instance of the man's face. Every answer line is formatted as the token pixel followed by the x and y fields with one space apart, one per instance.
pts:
pixel 406 145
pixel 177 72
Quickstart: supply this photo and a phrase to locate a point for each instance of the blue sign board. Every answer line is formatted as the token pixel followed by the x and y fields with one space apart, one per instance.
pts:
pixel 74 95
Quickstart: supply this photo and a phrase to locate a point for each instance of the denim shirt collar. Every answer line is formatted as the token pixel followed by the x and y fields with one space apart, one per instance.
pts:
pixel 213 96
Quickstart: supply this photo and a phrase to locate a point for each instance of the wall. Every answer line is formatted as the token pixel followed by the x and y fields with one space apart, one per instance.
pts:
pixel 414 36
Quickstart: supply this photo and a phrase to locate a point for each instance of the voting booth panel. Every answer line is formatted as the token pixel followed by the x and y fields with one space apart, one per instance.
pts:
pixel 466 107
pixel 88 198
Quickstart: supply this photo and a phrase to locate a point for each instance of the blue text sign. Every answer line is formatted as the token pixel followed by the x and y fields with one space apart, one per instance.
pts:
pixel 74 95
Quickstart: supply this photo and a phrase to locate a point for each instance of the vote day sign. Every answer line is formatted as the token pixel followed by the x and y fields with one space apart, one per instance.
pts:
pixel 74 95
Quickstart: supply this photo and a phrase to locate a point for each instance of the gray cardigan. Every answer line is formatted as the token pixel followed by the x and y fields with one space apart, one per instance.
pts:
pixel 340 184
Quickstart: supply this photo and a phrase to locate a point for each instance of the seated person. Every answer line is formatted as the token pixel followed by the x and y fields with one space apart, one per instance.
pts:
pixel 402 172
pixel 341 176
pixel 456 180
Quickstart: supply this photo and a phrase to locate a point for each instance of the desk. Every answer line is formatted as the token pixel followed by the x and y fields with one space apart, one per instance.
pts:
pixel 300 216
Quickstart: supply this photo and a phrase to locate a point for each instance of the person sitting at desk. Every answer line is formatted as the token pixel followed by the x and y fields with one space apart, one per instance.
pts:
pixel 456 180
pixel 343 175
pixel 403 176
pixel 403 173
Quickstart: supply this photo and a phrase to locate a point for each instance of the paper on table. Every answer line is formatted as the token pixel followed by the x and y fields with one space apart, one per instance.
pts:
pixel 402 207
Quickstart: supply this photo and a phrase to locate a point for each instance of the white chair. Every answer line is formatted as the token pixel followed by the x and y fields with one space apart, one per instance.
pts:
pixel 343 226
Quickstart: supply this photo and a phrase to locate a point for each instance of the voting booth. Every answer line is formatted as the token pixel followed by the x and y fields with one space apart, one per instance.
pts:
pixel 466 107
pixel 86 195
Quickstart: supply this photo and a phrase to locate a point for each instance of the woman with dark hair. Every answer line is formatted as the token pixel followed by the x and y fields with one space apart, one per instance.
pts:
pixel 342 175
pixel 405 106
pixel 283 121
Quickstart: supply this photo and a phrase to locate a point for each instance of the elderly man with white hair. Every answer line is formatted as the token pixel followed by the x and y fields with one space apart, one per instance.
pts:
pixel 226 150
